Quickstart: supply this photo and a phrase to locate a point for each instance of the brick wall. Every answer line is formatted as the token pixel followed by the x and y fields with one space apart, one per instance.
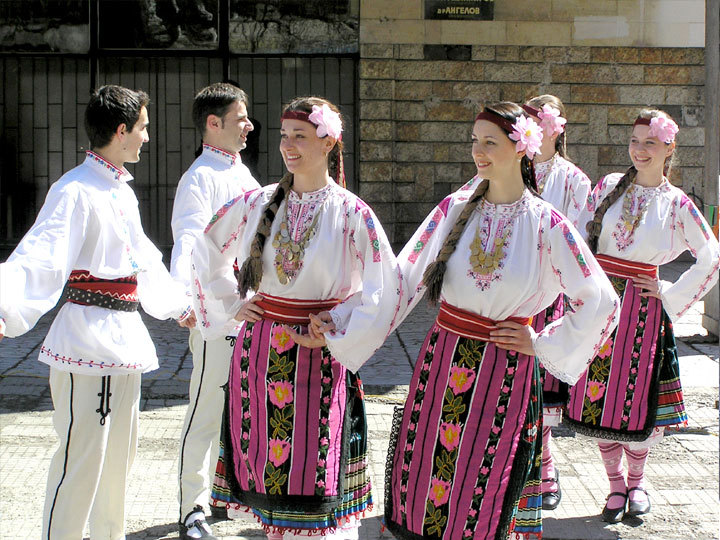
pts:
pixel 417 103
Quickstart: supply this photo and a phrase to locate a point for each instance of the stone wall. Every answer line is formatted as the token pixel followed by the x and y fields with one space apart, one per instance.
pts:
pixel 417 104
pixel 640 23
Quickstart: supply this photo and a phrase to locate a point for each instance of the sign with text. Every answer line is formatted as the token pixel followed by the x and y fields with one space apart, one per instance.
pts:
pixel 467 10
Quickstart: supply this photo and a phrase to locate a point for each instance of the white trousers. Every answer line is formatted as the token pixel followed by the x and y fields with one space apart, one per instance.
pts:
pixel 96 420
pixel 201 429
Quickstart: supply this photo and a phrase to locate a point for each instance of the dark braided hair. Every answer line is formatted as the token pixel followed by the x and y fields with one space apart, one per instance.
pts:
pixel 435 272
pixel 251 271
pixel 553 101
pixel 594 227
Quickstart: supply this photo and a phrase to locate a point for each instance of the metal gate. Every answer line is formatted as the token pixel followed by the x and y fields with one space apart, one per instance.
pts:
pixel 42 102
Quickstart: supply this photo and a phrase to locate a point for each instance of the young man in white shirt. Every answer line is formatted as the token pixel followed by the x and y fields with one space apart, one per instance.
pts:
pixel 87 244
pixel 216 177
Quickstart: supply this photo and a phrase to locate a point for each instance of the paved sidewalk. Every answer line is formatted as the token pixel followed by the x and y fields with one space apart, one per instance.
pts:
pixel 682 470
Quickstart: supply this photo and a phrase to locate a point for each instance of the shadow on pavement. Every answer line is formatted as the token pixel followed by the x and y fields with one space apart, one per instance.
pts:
pixel 577 528
pixel 156 531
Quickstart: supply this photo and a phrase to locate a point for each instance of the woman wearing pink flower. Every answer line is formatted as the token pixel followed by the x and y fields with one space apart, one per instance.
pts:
pixel 632 388
pixel 327 290
pixel 567 188
pixel 494 254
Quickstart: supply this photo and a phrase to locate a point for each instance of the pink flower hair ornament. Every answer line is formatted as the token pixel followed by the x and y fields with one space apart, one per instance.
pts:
pixel 327 121
pixel 527 135
pixel 664 129
pixel 550 120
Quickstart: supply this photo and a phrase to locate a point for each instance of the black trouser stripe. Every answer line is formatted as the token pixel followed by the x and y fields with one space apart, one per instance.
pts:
pixel 67 451
pixel 182 447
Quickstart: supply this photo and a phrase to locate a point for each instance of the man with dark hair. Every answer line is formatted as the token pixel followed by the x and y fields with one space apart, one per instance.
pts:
pixel 215 177
pixel 108 108
pixel 88 245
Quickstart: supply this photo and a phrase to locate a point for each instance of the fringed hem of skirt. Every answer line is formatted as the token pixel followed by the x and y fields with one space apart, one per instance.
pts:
pixel 606 433
pixel 525 536
pixel 300 531
pixel 221 503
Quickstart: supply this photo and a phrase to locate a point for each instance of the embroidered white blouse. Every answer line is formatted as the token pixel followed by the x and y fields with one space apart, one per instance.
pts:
pixel 542 255
pixel 214 178
pixel 346 257
pixel 564 185
pixel 654 225
pixel 90 221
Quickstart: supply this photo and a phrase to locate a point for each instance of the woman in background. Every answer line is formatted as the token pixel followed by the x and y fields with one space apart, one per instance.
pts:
pixel 567 188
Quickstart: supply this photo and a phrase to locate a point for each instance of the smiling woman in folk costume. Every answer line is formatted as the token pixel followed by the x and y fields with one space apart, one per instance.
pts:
pixel 567 188
pixel 468 443
pixel 632 388
pixel 296 440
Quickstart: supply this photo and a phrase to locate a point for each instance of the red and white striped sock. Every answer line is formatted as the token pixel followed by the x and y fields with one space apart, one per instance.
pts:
pixel 636 472
pixel 548 467
pixel 611 454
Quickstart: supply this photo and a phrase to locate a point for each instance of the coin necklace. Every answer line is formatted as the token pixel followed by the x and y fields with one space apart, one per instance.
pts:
pixel 485 262
pixel 630 220
pixel 289 254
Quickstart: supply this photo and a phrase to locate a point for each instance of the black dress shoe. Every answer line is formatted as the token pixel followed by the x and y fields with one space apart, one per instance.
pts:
pixel 219 512
pixel 637 508
pixel 551 500
pixel 614 515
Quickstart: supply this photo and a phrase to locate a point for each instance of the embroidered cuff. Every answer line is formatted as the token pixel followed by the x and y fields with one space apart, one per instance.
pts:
pixel 185 314
pixel 337 320
pixel 550 365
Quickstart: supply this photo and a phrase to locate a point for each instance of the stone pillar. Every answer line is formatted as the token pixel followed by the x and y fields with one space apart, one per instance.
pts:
pixel 712 139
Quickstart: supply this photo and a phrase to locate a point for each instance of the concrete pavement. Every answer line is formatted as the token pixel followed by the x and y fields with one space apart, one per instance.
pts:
pixel 682 471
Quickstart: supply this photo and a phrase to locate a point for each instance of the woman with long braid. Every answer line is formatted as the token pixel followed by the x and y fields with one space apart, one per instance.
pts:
pixel 568 189
pixel 463 461
pixel 632 388
pixel 295 445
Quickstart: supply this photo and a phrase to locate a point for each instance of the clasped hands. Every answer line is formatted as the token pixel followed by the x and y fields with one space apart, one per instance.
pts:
pixel 319 324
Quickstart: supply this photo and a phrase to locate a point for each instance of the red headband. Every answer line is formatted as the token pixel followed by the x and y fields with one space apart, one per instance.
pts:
pixel 531 110
pixel 496 119
pixel 642 121
pixel 297 115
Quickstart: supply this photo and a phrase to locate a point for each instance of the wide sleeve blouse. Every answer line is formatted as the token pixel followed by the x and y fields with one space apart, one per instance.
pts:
pixel 347 258
pixel 33 277
pixel 667 224
pixel 543 256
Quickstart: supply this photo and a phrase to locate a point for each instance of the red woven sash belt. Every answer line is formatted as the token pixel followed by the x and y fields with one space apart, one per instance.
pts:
pixel 626 269
pixel 469 325
pixel 85 289
pixel 292 310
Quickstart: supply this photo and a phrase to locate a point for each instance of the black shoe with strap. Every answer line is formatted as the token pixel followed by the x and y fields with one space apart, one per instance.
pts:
pixel 219 512
pixel 637 508
pixel 551 499
pixel 614 515
pixel 195 528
